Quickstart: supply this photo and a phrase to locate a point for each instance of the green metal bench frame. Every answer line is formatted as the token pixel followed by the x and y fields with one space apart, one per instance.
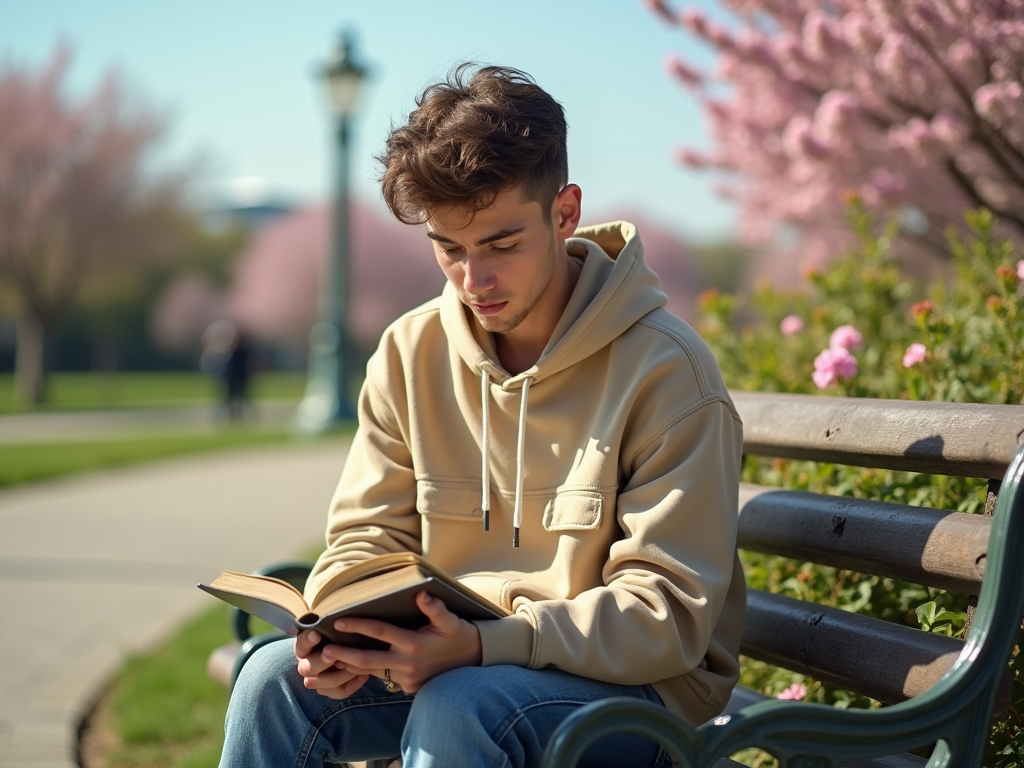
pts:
pixel 954 715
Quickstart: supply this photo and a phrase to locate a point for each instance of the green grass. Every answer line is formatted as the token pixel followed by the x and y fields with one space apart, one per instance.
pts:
pixel 90 391
pixel 21 463
pixel 165 710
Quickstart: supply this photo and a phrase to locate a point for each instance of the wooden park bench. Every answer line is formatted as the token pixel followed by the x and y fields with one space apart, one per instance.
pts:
pixel 940 691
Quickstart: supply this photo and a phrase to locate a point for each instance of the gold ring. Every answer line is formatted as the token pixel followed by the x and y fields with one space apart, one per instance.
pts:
pixel 389 684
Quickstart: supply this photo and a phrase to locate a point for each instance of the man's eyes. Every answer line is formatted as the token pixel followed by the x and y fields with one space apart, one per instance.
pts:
pixel 454 249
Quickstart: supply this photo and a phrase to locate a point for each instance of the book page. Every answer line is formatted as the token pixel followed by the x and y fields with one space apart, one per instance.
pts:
pixel 378 584
pixel 388 573
pixel 266 588
pixel 365 569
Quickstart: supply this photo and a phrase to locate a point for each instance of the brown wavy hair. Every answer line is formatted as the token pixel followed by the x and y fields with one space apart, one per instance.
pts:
pixel 477 133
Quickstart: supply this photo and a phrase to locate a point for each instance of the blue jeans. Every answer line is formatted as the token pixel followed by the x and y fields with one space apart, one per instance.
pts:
pixel 477 717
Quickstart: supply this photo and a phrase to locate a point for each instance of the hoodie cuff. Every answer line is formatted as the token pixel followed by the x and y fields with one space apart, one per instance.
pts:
pixel 508 640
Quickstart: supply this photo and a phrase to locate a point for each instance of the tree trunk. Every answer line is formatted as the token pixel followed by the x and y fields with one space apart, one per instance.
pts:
pixel 29 359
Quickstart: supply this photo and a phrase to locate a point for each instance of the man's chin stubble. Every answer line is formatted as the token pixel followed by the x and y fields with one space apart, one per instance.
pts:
pixel 501 326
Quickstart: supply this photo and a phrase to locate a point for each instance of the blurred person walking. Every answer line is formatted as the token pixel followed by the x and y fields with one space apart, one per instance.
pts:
pixel 228 354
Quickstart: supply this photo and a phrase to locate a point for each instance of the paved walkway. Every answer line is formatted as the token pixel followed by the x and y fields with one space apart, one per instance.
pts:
pixel 97 566
pixel 130 422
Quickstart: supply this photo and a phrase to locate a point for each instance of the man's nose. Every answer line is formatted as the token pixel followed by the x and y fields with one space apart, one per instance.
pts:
pixel 478 278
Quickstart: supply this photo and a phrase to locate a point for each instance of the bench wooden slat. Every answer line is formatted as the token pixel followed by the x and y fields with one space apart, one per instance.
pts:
pixel 963 439
pixel 886 661
pixel 932 547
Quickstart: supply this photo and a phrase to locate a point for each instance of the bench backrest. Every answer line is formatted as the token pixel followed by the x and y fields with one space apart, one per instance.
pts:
pixel 934 548
pixel 942 689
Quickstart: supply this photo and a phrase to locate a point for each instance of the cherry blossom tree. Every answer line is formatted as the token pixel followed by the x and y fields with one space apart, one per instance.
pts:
pixel 916 106
pixel 273 292
pixel 76 197
pixel 275 284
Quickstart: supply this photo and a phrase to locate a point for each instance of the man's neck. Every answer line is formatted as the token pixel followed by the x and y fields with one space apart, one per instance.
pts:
pixel 519 349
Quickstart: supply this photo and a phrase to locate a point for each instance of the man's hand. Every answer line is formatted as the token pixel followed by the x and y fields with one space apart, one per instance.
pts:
pixel 322 675
pixel 414 658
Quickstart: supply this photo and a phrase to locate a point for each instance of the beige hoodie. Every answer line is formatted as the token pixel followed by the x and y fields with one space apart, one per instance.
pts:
pixel 621 450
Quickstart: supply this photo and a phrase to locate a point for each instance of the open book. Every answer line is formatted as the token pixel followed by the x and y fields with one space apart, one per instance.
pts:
pixel 382 587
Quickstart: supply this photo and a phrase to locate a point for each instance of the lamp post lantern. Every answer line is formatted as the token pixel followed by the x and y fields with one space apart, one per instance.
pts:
pixel 327 397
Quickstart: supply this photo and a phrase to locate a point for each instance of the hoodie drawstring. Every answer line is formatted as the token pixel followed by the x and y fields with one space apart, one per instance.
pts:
pixel 485 400
pixel 517 516
pixel 485 504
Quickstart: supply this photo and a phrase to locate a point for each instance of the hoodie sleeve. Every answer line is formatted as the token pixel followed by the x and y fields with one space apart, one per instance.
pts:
pixel 373 511
pixel 665 580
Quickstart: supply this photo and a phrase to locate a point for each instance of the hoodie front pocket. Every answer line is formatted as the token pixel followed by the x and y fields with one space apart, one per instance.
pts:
pixel 448 500
pixel 574 511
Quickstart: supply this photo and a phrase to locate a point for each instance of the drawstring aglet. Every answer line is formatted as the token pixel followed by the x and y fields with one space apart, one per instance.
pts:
pixel 487 519
pixel 515 537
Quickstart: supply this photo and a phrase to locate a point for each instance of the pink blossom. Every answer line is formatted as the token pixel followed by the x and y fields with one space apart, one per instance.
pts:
pixel 693 159
pixel 894 59
pixel 1020 270
pixel 686 74
pixel 791 325
pixel 884 186
pixel 845 337
pixel 833 364
pixel 818 36
pixel 659 8
pixel 835 120
pixel 905 135
pixel 949 127
pixel 915 353
pixel 795 692
pixel 968 63
pixel 999 102
pixel 918 138
pixel 799 141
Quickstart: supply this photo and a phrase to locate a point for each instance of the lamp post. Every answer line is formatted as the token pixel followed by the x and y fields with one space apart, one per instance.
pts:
pixel 327 397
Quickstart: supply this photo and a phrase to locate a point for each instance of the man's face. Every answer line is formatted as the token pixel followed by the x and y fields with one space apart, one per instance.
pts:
pixel 501 261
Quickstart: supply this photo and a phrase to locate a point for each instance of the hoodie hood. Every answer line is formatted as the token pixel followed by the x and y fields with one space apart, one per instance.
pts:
pixel 614 290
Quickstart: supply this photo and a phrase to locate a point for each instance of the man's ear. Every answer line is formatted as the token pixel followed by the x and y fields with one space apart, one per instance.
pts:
pixel 566 210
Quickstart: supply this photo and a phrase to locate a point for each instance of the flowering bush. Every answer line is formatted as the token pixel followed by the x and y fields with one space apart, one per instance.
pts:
pixel 863 329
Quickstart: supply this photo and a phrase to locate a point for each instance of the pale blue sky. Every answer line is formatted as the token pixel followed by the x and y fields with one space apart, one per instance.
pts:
pixel 238 78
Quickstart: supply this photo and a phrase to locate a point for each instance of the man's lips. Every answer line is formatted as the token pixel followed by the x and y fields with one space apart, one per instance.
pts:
pixel 488 307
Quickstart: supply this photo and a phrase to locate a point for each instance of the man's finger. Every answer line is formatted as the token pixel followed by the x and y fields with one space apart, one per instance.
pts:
pixel 345 690
pixel 331 678
pixel 305 642
pixel 313 664
pixel 443 620
pixel 379 630
pixel 361 660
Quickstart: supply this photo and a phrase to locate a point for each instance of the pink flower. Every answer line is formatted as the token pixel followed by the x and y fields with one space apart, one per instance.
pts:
pixel 686 74
pixel 915 353
pixel 795 692
pixel 793 324
pixel 845 337
pixel 1020 270
pixel 883 185
pixel 833 364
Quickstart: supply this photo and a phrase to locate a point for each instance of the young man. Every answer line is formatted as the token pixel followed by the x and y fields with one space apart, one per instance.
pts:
pixel 546 432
